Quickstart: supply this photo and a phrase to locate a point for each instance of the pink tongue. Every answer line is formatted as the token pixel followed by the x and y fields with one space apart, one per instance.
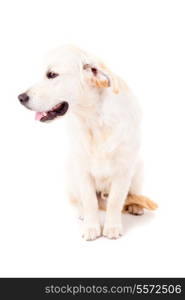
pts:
pixel 38 116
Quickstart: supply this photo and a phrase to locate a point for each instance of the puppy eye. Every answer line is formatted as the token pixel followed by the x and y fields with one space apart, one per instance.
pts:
pixel 51 75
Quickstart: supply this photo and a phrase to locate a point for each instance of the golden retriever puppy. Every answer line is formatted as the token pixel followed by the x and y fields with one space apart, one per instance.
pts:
pixel 104 125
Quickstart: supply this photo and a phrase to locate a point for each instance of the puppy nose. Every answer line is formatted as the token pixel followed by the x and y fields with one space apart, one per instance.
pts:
pixel 23 98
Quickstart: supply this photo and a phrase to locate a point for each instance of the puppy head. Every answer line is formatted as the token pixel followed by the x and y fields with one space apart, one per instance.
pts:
pixel 71 77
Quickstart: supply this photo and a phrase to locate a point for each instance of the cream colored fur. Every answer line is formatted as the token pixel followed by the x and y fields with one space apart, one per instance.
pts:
pixel 104 128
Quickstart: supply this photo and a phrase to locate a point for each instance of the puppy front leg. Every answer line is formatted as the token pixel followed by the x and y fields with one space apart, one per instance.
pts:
pixel 91 225
pixel 118 193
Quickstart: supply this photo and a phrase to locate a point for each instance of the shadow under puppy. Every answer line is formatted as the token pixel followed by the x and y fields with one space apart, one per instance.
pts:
pixel 103 120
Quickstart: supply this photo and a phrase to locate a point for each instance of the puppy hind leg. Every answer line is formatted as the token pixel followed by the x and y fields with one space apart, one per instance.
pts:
pixel 131 206
pixel 136 203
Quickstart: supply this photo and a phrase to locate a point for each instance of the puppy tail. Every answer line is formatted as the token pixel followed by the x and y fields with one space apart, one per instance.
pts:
pixel 142 201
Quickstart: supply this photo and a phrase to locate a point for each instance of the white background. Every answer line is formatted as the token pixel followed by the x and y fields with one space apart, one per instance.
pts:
pixel 143 41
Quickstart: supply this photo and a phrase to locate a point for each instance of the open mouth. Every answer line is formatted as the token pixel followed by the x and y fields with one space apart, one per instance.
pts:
pixel 58 110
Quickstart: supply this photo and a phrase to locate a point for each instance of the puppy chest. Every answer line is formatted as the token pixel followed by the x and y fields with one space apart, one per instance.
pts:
pixel 101 163
pixel 101 166
pixel 101 170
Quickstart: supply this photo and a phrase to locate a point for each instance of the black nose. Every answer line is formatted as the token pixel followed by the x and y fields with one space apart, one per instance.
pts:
pixel 23 98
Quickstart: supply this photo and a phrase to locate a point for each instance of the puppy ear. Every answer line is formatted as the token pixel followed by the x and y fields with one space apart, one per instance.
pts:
pixel 97 77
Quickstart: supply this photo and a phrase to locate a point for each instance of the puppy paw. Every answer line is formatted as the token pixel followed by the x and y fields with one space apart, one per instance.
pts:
pixel 91 232
pixel 112 231
pixel 135 209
